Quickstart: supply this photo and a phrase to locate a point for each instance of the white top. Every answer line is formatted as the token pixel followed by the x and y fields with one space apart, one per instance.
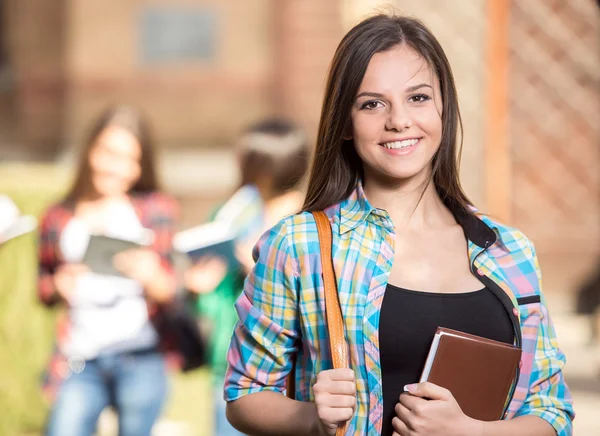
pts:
pixel 108 313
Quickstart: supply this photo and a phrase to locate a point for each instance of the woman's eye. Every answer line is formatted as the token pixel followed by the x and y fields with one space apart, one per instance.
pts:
pixel 371 105
pixel 420 98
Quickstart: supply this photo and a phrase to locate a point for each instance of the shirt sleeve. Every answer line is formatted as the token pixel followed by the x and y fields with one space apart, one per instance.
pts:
pixel 267 333
pixel 47 259
pixel 164 218
pixel 548 397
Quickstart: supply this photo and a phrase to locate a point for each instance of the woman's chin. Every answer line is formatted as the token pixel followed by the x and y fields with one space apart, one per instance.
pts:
pixel 394 176
pixel 109 190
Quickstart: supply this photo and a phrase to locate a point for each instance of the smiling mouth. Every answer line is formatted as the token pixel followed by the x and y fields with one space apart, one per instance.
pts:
pixel 399 145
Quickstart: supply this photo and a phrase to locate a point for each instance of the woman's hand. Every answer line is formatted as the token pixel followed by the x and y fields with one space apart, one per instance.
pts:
pixel 335 399
pixel 205 275
pixel 437 415
pixel 144 265
pixel 65 279
pixel 139 264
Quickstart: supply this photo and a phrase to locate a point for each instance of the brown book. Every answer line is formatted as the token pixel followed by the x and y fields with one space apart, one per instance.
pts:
pixel 478 371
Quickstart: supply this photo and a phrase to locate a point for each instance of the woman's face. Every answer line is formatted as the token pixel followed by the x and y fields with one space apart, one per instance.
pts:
pixel 397 116
pixel 115 161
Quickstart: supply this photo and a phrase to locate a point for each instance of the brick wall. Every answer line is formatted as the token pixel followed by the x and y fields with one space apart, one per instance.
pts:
pixel 34 32
pixel 193 104
pixel 307 33
pixel 71 59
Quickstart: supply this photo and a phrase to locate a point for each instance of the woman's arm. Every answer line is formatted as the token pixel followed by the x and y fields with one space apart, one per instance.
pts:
pixel 548 396
pixel 47 260
pixel 272 414
pixel 521 426
pixel 267 335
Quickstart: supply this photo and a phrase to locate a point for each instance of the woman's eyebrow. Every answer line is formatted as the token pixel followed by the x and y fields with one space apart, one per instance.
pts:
pixel 378 95
pixel 419 86
pixel 369 94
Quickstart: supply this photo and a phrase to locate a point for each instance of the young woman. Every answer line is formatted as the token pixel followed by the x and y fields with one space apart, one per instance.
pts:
pixel 273 157
pixel 409 253
pixel 112 343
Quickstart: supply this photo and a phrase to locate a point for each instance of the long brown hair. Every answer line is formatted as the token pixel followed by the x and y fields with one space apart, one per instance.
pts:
pixel 336 167
pixel 132 120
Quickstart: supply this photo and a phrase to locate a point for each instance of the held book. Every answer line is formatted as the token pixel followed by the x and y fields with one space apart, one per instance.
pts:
pixel 102 249
pixel 218 238
pixel 479 372
pixel 211 239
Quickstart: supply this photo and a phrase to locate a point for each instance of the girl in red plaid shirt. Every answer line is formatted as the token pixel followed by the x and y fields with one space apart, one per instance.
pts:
pixel 112 342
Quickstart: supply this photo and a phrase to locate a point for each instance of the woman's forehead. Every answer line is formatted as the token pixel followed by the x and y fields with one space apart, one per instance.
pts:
pixel 397 68
pixel 119 141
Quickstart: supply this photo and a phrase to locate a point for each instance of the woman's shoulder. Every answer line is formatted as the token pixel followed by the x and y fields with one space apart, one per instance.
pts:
pixel 510 238
pixel 302 226
pixel 297 232
pixel 157 203
pixel 294 228
pixel 57 213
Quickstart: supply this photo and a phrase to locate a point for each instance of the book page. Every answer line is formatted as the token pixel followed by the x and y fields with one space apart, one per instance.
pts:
pixel 430 357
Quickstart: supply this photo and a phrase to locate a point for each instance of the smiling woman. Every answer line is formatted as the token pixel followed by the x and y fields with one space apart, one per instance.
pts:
pixel 410 254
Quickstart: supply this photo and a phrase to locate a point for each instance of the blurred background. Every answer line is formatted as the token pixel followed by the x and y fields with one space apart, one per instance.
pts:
pixel 528 76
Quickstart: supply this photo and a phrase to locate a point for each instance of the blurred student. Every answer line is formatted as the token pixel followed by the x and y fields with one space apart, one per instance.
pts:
pixel 273 157
pixel 112 342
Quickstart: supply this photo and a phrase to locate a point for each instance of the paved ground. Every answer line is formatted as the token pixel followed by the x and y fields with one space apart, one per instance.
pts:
pixel 582 371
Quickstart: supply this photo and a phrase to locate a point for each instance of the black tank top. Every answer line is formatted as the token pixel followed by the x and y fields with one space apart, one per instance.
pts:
pixel 408 322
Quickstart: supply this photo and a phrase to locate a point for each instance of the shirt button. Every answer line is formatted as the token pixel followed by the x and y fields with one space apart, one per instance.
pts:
pixel 515 311
pixel 505 415
pixel 480 272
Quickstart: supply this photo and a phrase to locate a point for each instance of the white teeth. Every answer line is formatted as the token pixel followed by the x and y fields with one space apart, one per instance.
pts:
pixel 400 144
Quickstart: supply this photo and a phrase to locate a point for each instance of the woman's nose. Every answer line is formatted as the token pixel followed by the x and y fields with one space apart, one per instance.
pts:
pixel 398 119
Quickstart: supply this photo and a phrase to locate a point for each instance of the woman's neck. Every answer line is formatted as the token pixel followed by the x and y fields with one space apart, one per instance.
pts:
pixel 98 204
pixel 412 204
pixel 103 199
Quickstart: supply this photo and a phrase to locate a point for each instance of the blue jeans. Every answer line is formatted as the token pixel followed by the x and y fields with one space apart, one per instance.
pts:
pixel 222 427
pixel 135 384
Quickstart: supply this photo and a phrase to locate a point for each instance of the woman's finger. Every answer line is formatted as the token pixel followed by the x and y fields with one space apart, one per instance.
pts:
pixel 343 401
pixel 400 427
pixel 428 390
pixel 402 412
pixel 410 401
pixel 343 388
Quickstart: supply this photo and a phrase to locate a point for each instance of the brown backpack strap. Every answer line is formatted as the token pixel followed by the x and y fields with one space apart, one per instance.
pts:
pixel 335 322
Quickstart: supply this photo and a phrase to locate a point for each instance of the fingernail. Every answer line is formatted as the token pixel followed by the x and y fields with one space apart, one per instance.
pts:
pixel 410 388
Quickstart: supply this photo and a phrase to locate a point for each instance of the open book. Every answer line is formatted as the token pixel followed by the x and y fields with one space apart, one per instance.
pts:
pixel 478 371
pixel 12 223
pixel 218 238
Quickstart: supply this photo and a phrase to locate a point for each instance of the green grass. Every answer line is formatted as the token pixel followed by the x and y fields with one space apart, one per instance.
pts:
pixel 27 328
